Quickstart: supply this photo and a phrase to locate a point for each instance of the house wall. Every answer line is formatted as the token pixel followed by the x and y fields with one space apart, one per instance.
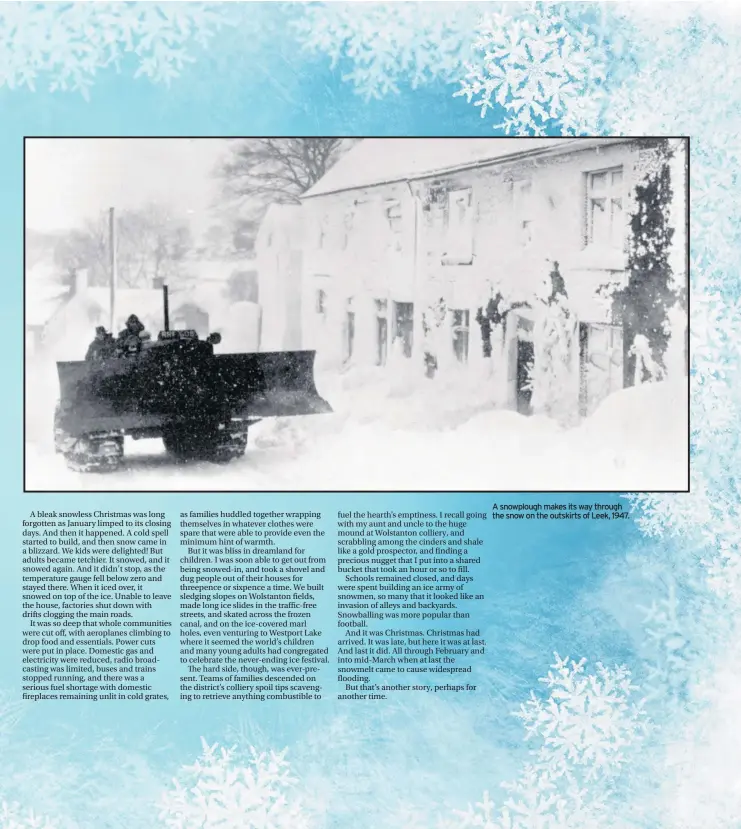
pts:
pixel 280 273
pixel 427 249
pixel 279 290
pixel 558 214
pixel 357 254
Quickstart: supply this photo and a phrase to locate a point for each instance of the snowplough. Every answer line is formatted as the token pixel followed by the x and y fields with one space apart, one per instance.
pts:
pixel 176 388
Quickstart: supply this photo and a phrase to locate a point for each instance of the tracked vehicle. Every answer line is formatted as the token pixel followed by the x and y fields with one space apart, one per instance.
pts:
pixel 176 388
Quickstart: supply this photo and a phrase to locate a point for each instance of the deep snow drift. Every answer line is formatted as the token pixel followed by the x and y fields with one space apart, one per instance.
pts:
pixel 392 431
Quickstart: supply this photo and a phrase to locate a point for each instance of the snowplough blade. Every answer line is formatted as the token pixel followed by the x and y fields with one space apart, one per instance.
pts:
pixel 150 393
pixel 272 384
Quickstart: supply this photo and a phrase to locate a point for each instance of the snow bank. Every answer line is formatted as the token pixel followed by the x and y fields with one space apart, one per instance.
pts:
pixel 641 435
pixel 402 431
pixel 42 392
pixel 637 440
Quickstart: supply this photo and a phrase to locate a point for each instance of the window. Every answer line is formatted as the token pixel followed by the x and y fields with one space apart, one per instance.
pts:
pixel 606 225
pixel 320 303
pixel 461 332
pixel 394 216
pixel 459 239
pixel 522 198
pixel 349 330
pixel 404 326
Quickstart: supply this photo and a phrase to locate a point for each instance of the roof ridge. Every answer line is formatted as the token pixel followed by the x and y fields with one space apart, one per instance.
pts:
pixel 372 162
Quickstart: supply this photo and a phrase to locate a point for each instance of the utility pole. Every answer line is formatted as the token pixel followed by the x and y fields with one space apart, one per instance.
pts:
pixel 112 242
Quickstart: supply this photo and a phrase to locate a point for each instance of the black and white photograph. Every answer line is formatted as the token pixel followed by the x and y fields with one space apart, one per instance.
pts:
pixel 356 314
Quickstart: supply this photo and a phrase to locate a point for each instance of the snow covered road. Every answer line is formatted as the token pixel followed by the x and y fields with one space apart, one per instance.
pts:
pixel 396 437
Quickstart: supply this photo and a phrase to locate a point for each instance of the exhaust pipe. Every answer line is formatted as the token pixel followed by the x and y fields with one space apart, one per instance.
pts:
pixel 166 302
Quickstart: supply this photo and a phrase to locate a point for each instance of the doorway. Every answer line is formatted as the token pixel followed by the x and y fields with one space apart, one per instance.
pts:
pixel 525 357
pixel 382 331
pixel 382 337
pixel 349 335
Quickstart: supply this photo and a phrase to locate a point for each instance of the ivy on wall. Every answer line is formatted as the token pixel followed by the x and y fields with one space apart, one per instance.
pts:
pixel 643 304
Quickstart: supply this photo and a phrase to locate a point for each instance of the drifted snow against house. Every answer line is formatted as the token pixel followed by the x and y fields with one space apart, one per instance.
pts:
pixel 407 241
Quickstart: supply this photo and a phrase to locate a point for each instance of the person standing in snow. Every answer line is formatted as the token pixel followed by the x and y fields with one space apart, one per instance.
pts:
pixel 130 339
pixel 102 346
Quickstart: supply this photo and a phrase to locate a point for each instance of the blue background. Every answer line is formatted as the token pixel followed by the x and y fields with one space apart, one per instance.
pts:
pixel 574 588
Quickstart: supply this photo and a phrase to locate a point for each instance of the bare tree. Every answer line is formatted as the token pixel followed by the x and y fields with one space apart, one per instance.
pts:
pixel 266 170
pixel 151 244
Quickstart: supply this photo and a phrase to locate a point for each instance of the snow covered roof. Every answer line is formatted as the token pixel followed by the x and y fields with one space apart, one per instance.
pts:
pixel 383 160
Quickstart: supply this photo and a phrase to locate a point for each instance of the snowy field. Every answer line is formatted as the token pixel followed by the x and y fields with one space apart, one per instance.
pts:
pixel 405 434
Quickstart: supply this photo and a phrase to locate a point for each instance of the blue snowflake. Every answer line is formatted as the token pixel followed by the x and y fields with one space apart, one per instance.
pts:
pixel 383 45
pixel 544 71
pixel 67 43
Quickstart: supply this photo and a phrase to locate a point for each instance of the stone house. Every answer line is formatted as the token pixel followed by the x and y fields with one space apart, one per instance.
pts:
pixel 279 262
pixel 404 239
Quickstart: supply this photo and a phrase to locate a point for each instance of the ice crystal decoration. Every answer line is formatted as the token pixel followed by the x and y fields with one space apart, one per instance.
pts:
pixel 584 728
pixel 544 71
pixel 13 817
pixel 65 44
pixel 388 44
pixel 220 792
pixel 666 93
pixel 586 721
pixel 687 82
pixel 669 647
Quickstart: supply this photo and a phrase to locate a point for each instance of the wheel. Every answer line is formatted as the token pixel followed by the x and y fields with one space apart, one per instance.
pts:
pixel 191 442
pixel 231 445
pixel 94 453
pixel 205 442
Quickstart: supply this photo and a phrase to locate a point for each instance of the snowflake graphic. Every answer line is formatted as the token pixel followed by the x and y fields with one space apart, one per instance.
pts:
pixel 218 792
pixel 669 647
pixel 586 721
pixel 541 69
pixel 67 43
pixel 387 44
pixel 665 95
pixel 13 817
pixel 661 515
pixel 584 726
